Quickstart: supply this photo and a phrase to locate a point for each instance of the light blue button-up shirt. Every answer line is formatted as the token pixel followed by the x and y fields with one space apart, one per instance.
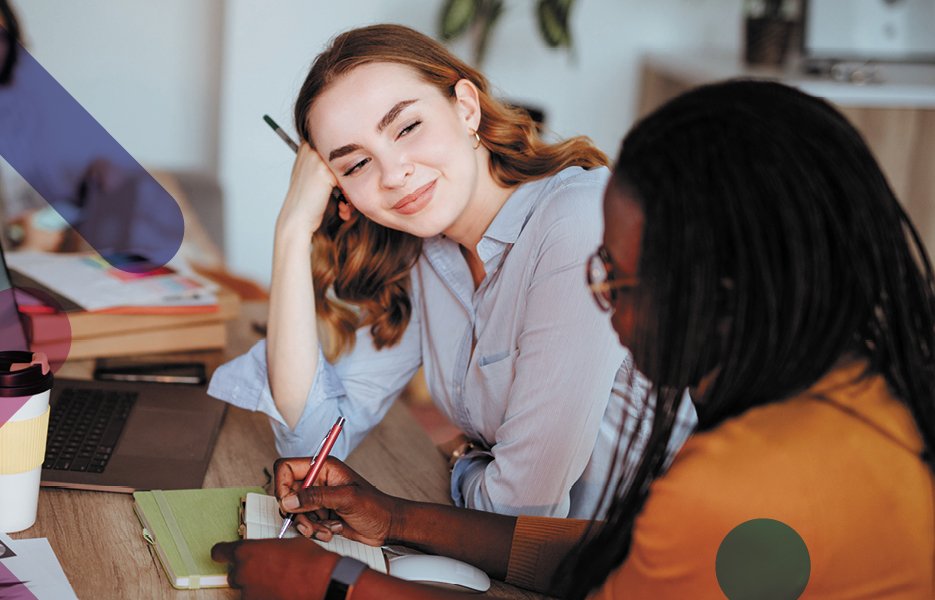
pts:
pixel 546 388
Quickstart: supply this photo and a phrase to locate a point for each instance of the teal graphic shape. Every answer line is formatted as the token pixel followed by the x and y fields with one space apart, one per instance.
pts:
pixel 763 559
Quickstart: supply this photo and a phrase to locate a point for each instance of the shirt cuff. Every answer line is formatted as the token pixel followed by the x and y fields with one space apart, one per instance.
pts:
pixel 466 469
pixel 244 382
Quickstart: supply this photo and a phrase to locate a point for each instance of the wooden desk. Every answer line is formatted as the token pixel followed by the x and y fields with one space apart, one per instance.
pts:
pixel 97 536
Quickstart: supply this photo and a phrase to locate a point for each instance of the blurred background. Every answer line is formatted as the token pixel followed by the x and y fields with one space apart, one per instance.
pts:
pixel 183 84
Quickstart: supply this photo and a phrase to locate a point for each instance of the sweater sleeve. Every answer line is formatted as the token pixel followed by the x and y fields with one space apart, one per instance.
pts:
pixel 540 544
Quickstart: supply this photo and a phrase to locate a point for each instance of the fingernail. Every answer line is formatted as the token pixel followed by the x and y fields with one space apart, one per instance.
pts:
pixel 320 535
pixel 303 529
pixel 290 502
pixel 336 527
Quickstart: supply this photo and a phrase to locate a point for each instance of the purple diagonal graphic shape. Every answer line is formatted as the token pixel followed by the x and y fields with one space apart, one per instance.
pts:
pixel 11 588
pixel 80 169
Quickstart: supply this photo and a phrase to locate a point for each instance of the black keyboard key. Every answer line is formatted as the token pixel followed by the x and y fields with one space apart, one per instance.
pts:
pixel 84 427
pixel 81 464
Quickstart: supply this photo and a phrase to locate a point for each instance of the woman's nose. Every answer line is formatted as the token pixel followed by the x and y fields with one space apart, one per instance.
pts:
pixel 396 173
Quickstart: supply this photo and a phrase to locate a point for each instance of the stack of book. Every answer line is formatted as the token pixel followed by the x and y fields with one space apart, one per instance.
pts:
pixel 120 317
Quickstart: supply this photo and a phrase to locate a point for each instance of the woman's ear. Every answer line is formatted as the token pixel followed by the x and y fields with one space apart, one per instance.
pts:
pixel 467 102
pixel 345 208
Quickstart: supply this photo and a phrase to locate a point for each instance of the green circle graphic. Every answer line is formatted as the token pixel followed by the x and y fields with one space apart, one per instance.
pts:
pixel 762 559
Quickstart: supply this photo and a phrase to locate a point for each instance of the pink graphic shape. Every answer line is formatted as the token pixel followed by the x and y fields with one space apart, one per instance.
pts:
pixel 9 406
pixel 11 588
pixel 47 326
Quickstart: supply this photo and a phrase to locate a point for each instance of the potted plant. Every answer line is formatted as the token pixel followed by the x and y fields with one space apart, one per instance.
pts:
pixel 769 27
pixel 480 16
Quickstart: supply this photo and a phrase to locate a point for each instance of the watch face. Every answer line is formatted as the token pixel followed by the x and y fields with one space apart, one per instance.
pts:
pixel 336 590
pixel 343 577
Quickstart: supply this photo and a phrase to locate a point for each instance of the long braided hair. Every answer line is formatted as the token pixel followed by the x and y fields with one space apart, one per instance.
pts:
pixel 763 205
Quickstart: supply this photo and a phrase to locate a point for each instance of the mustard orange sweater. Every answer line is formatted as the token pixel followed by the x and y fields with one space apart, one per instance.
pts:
pixel 840 464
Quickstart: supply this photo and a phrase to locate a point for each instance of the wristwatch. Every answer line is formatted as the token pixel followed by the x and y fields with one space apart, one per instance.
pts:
pixel 465 448
pixel 343 578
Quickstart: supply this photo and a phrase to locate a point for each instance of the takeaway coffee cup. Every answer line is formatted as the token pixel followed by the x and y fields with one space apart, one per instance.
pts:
pixel 25 382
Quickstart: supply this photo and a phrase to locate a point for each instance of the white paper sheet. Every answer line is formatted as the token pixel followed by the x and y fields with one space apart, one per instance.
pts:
pixel 94 285
pixel 35 564
pixel 263 521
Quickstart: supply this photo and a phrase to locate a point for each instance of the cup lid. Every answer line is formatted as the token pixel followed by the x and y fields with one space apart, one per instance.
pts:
pixel 24 382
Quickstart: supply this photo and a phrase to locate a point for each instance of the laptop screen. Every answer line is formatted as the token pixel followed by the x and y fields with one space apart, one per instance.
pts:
pixel 12 335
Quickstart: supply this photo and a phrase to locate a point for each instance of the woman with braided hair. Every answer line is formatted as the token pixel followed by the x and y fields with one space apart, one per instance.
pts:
pixel 753 254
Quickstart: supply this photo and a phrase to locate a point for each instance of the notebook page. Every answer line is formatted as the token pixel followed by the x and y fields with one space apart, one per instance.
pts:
pixel 262 518
pixel 263 521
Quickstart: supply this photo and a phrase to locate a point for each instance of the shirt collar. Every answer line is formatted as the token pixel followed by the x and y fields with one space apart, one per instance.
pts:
pixel 510 221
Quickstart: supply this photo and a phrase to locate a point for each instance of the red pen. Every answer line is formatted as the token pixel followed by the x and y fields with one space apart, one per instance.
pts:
pixel 317 462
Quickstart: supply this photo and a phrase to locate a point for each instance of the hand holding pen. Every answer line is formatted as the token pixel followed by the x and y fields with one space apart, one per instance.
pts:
pixel 324 449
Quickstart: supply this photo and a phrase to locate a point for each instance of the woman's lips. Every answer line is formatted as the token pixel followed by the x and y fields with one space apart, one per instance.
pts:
pixel 416 201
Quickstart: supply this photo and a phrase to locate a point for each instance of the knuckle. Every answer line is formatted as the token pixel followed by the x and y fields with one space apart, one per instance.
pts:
pixel 308 498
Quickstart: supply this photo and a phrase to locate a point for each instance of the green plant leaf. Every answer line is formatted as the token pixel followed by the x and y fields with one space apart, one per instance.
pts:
pixel 490 12
pixel 456 17
pixel 553 22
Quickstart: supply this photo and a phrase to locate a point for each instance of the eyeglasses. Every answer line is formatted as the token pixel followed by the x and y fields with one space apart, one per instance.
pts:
pixel 601 282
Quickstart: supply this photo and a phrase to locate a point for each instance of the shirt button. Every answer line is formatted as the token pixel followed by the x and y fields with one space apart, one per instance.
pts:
pixel 458 389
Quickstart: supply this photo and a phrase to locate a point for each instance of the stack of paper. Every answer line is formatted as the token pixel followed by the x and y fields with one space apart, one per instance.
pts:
pixel 94 284
pixel 112 313
pixel 30 569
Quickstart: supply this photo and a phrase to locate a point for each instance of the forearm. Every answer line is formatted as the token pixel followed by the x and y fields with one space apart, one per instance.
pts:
pixel 479 538
pixel 292 335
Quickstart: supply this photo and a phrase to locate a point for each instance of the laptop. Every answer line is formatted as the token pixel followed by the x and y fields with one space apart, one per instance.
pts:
pixel 120 436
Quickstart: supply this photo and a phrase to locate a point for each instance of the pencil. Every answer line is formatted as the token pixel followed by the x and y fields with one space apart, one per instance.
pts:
pixel 285 136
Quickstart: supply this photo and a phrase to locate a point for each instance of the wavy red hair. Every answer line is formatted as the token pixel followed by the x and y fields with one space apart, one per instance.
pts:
pixel 366 266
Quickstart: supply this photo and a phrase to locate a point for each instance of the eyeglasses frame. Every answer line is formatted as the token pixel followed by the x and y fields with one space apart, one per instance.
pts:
pixel 604 291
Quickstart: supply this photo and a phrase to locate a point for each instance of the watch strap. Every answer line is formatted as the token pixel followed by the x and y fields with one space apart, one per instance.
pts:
pixel 343 578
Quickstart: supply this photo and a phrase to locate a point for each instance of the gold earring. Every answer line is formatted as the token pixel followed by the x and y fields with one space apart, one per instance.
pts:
pixel 476 137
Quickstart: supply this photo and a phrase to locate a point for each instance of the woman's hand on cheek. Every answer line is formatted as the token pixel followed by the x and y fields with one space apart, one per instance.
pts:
pixel 309 191
pixel 294 569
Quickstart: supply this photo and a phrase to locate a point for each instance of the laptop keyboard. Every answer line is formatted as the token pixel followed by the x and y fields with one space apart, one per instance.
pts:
pixel 84 427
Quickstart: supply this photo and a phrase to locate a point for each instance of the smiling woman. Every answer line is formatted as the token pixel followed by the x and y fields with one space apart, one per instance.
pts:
pixel 445 234
pixel 413 167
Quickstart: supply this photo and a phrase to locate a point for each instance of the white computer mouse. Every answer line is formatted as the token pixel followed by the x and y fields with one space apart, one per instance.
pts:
pixel 440 571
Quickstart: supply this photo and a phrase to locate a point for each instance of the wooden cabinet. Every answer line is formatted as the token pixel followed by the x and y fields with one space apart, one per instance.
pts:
pixel 896 117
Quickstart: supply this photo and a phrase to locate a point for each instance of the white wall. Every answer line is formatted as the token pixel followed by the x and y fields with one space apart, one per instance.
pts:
pixel 184 83
pixel 148 71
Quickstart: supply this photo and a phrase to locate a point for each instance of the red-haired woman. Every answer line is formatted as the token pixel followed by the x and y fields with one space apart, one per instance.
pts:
pixel 445 234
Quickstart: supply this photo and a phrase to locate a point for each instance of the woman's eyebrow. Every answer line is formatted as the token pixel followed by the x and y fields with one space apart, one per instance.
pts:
pixel 391 114
pixel 388 118
pixel 342 151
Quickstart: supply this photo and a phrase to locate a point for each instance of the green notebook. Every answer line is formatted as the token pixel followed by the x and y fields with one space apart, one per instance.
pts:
pixel 183 525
